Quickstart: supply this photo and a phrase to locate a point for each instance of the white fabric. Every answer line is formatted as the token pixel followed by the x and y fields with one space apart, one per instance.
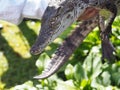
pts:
pixel 15 10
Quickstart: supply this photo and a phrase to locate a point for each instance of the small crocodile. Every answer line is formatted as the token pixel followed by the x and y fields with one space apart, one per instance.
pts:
pixel 58 16
pixel 65 50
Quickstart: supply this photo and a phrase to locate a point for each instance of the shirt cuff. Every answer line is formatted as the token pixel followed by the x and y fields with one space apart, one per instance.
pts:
pixel 14 11
pixel 34 8
pixel 11 10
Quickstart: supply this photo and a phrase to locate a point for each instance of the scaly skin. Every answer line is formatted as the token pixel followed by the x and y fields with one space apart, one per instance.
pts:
pixel 54 22
pixel 107 47
pixel 59 15
pixel 67 48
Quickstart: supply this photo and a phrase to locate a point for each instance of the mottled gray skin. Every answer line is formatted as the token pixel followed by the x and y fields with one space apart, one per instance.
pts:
pixel 67 48
pixel 58 16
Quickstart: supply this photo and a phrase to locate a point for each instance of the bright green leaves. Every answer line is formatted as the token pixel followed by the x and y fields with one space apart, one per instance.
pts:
pixel 79 72
pixel 66 85
pixel 92 63
pixel 84 71
pixel 69 71
pixel 42 61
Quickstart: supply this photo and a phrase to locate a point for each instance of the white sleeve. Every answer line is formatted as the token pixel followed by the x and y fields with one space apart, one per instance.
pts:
pixel 11 10
pixel 35 8
pixel 15 10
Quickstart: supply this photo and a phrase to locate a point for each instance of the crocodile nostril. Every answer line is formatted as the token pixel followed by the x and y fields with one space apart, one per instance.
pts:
pixel 34 50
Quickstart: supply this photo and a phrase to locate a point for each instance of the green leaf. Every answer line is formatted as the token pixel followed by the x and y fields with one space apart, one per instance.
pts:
pixel 69 71
pixel 116 78
pixel 67 85
pixel 26 86
pixel 79 72
pixel 106 78
pixel 86 85
pixel 92 63
pixel 42 61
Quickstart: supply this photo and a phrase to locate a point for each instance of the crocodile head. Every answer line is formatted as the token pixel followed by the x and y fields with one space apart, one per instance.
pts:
pixel 59 15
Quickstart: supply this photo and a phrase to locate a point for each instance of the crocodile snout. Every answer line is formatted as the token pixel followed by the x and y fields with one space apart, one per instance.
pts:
pixel 35 50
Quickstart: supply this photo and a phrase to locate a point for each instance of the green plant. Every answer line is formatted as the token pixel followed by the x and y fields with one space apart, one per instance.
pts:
pixel 83 71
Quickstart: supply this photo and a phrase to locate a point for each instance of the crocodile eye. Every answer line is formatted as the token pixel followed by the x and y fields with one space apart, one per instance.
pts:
pixel 53 21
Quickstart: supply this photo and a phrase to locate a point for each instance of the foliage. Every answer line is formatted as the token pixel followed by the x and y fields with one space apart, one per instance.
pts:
pixel 83 71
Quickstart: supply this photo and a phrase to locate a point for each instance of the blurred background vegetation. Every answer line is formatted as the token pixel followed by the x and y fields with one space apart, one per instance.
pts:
pixel 83 71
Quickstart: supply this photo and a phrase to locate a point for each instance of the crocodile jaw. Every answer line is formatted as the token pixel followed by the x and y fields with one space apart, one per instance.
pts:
pixel 55 20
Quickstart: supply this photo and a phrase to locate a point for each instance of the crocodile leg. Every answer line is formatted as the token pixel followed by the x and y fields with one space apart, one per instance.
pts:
pixel 69 45
pixel 110 6
pixel 113 9
pixel 107 47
